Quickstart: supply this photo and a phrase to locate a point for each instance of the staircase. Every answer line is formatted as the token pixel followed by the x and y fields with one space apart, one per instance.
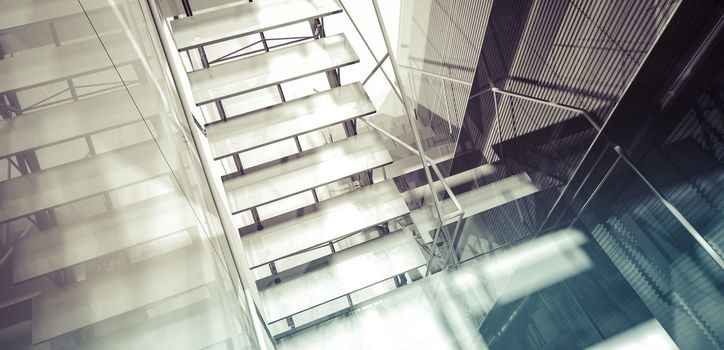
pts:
pixel 309 261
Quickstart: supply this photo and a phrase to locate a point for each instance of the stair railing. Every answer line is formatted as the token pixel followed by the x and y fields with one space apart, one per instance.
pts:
pixel 443 219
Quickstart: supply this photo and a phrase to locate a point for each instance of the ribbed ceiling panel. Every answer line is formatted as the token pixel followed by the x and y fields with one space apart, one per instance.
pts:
pixel 585 53
pixel 577 52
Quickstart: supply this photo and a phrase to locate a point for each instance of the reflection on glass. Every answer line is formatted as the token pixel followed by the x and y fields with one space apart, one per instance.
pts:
pixel 109 238
pixel 449 309
pixel 664 265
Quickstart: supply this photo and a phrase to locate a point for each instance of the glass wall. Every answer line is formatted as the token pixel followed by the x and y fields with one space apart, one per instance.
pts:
pixel 645 265
pixel 666 267
pixel 110 235
pixel 651 210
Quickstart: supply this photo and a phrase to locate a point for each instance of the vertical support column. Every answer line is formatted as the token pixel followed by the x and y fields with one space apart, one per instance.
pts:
pixel 71 89
pixel 317 26
pixel 9 105
pixel 56 42
pixel 290 322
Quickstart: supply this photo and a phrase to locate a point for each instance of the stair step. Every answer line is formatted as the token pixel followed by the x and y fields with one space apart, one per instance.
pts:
pixel 66 183
pixel 73 120
pixel 306 170
pixel 483 173
pixel 244 19
pixel 18 13
pixel 65 246
pixel 496 194
pixel 32 69
pixel 113 293
pixel 272 68
pixel 413 163
pixel 11 293
pixel 347 271
pixel 177 329
pixel 477 200
pixel 289 119
pixel 291 265
pixel 324 222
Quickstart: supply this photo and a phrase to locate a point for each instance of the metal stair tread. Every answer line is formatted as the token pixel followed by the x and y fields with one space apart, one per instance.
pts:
pixel 279 66
pixel 289 119
pixel 309 169
pixel 324 222
pixel 68 245
pixel 115 292
pixel 28 194
pixel 72 120
pixel 247 18
pixel 348 271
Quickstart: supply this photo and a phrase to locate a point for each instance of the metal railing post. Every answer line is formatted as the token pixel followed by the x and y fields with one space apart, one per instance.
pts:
pixel 369 48
pixel 410 116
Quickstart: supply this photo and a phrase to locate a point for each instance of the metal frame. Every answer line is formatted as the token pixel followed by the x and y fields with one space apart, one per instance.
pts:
pixel 231 56
pixel 205 63
pixel 443 219
pixel 71 89
pixel 350 307
pixel 441 233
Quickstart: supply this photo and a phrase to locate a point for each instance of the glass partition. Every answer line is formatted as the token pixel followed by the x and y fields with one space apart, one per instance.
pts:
pixel 112 235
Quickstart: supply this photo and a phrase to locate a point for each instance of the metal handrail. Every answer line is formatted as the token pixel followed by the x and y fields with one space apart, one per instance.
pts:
pixel 374 70
pixel 408 109
pixel 424 160
pixel 429 161
pixel 440 76
pixel 584 112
